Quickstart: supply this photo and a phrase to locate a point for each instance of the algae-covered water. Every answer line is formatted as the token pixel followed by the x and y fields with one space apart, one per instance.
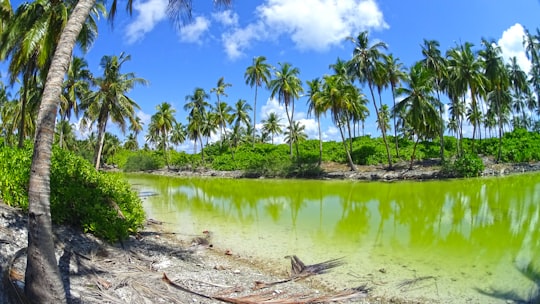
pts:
pixel 454 241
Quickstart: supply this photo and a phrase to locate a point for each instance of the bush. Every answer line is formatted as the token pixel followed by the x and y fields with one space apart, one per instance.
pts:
pixel 96 202
pixel 143 161
pixel 468 165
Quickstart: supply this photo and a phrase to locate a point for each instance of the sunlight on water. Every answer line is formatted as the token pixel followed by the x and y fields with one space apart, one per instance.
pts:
pixel 460 239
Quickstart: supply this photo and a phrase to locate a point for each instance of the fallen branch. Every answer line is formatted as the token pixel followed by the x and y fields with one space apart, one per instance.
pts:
pixel 300 271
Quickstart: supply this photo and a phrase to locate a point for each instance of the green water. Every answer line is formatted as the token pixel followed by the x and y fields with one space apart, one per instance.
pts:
pixel 463 238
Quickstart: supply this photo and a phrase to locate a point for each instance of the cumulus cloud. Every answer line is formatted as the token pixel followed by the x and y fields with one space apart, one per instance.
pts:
pixel 310 24
pixel 226 18
pixel 511 44
pixel 193 31
pixel 240 39
pixel 148 14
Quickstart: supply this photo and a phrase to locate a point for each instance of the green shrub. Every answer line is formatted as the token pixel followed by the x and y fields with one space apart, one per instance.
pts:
pixel 143 161
pixel 14 176
pixel 97 202
pixel 468 165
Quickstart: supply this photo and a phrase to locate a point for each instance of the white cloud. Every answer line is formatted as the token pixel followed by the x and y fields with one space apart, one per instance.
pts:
pixel 226 18
pixel 311 24
pixel 239 39
pixel 193 31
pixel 149 13
pixel 511 43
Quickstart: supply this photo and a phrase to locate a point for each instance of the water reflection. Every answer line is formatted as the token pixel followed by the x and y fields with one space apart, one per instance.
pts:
pixel 490 225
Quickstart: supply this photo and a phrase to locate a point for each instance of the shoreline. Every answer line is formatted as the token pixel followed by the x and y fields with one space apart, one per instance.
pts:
pixel 422 170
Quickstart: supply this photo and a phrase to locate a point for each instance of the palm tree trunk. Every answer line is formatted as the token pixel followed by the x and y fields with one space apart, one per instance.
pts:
pixel 381 126
pixel 320 140
pixel 43 283
pixel 290 129
pixel 254 115
pixel 99 145
pixel 414 152
pixel 394 118
pixel 441 131
pixel 349 158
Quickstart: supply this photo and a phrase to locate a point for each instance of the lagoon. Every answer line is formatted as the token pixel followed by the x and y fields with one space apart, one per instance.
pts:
pixel 449 241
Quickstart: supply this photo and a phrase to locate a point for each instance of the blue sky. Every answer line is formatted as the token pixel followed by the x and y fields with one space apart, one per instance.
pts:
pixel 309 34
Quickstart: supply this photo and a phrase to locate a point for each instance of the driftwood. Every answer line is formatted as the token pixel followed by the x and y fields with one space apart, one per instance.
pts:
pixel 270 297
pixel 300 271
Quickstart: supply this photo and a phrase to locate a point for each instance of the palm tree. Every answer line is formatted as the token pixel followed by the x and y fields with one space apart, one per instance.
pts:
pixel 337 94
pixel 131 142
pixel 196 105
pixel 221 109
pixel 395 73
pixel 110 100
pixel 287 87
pixel 498 84
pixel 76 87
pixel 363 66
pixel 316 107
pixel 436 63
pixel 256 75
pixel 465 72
pixel 30 38
pixel 163 121
pixel 296 135
pixel 240 113
pixel 418 105
pixel 222 112
pixel 178 134
pixel 519 86
pixel 136 126
pixel 41 269
pixel 271 125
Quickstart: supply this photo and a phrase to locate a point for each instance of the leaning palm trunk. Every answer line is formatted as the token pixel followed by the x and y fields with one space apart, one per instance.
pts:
pixel 43 283
pixel 99 145
pixel 349 158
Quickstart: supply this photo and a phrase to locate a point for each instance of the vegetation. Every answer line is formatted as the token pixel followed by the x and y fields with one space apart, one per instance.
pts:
pixel 496 98
pixel 94 201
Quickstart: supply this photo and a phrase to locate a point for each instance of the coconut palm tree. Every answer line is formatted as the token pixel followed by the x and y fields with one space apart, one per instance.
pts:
pixel 240 113
pixel 272 125
pixel 395 74
pixel 418 104
pixel 178 134
pixel 497 85
pixel 436 63
pixel 162 122
pixel 41 267
pixel 287 87
pixel 131 142
pixel 362 67
pixel 465 72
pixel 337 94
pixel 317 108
pixel 76 87
pixel 29 40
pixel 256 75
pixel 296 135
pixel 196 106
pixel 519 86
pixel 222 112
pixel 110 100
